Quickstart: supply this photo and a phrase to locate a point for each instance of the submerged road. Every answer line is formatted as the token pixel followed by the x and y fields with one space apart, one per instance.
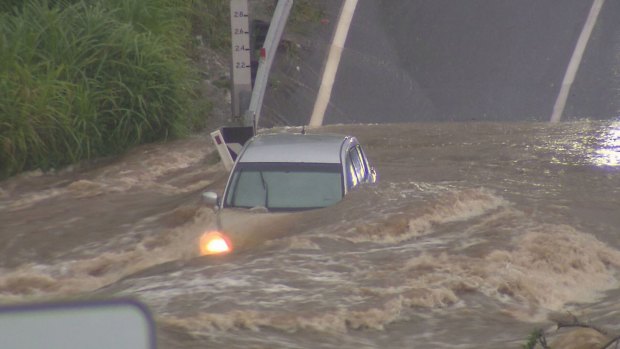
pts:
pixel 445 60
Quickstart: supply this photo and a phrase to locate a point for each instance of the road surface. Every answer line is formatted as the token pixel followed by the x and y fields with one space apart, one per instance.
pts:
pixel 443 60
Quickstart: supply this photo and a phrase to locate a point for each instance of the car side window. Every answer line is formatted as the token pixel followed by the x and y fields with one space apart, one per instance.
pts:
pixel 352 180
pixel 358 167
pixel 363 162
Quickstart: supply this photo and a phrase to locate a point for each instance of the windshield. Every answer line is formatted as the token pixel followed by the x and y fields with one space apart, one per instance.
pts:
pixel 284 186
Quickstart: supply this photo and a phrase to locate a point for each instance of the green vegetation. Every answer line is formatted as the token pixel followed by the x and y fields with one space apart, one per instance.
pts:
pixel 536 337
pixel 82 79
pixel 211 20
pixel 305 15
pixel 305 11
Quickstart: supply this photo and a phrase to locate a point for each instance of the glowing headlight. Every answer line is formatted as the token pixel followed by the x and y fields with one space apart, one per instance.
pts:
pixel 214 243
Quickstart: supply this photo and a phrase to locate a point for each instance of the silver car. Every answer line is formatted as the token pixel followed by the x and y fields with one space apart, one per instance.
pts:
pixel 277 175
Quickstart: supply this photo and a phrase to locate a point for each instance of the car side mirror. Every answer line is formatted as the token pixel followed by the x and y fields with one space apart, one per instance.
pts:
pixel 373 175
pixel 210 198
pixel 96 324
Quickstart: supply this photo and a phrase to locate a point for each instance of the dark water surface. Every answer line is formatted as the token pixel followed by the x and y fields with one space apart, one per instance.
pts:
pixel 476 234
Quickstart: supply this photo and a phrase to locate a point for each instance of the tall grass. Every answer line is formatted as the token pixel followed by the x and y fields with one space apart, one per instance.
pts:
pixel 84 79
pixel 211 20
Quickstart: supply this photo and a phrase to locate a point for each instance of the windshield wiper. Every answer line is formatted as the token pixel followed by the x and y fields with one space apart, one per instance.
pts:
pixel 262 179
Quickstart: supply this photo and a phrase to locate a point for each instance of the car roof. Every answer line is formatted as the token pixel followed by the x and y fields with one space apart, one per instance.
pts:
pixel 289 147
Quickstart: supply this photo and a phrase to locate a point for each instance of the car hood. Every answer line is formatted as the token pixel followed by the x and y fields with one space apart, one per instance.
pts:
pixel 248 228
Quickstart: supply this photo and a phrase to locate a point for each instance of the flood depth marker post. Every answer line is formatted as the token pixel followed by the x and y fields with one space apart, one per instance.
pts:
pixel 229 140
pixel 241 68
pixel 247 102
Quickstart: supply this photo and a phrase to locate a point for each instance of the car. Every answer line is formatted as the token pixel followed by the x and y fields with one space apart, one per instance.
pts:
pixel 275 177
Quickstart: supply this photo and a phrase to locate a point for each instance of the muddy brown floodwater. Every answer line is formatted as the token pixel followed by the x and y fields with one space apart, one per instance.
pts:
pixel 476 234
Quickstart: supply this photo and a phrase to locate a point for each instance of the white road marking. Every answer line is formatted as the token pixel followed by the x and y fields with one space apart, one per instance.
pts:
pixel 575 61
pixel 333 60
